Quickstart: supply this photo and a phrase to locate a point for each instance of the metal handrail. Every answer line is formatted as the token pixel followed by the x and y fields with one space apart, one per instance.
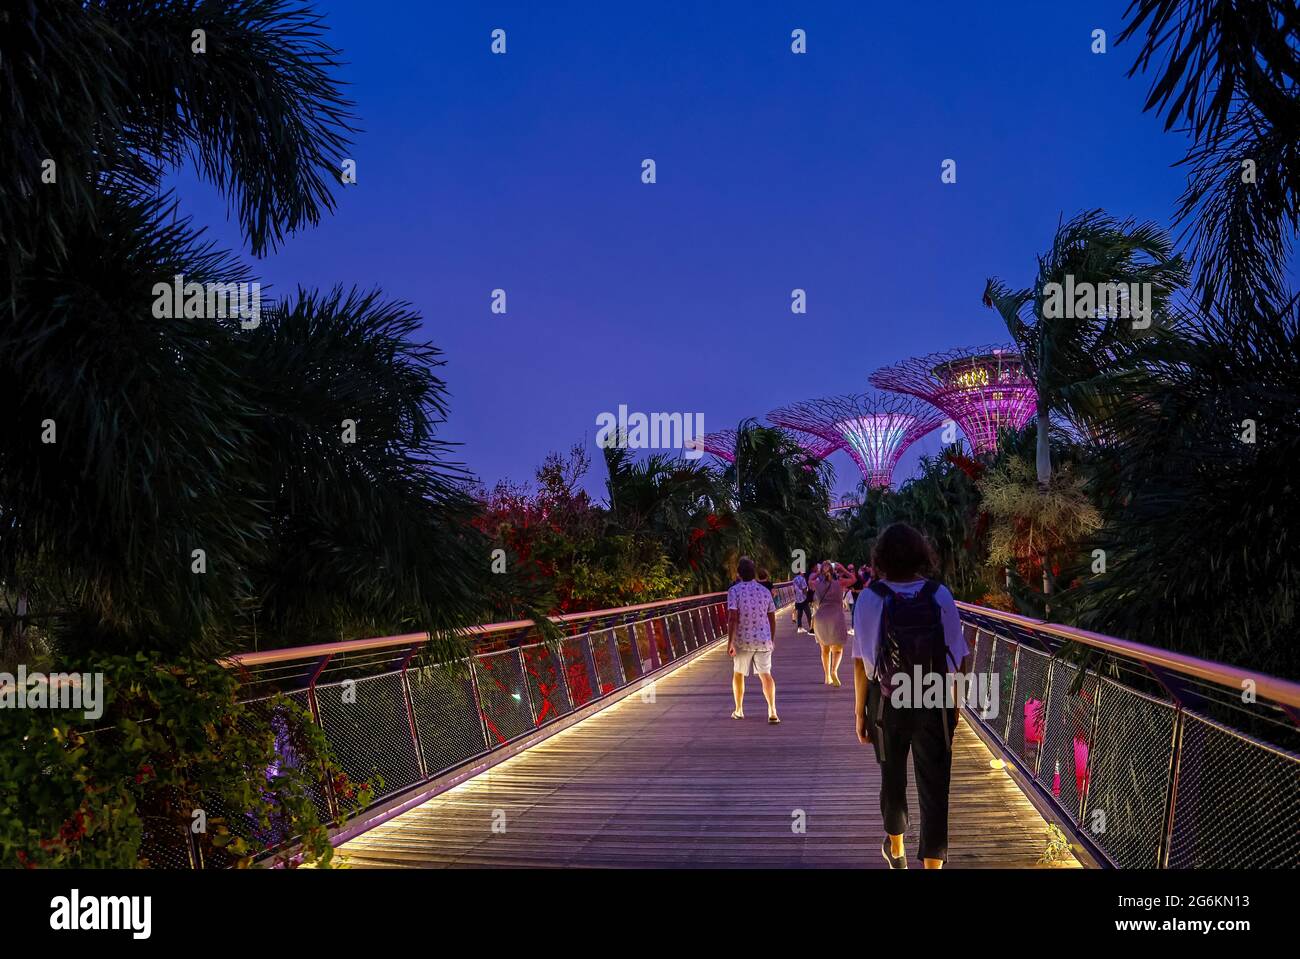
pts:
pixel 606 653
pixel 343 647
pixel 1168 801
pixel 525 687
pixel 1281 691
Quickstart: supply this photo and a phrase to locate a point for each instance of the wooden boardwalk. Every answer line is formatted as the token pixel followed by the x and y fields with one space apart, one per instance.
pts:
pixel 677 783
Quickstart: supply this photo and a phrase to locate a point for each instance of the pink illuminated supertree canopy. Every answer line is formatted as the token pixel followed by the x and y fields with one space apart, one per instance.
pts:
pixel 983 390
pixel 816 447
pixel 720 443
pixel 874 428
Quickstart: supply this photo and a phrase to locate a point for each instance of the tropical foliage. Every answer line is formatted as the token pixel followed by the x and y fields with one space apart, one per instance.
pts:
pixel 669 525
pixel 198 483
pixel 1227 73
pixel 177 483
pixel 169 757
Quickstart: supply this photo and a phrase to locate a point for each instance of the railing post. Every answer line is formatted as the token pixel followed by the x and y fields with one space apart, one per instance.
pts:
pixel 523 674
pixel 478 701
pixel 1171 798
pixel 1047 715
pixel 1093 725
pixel 331 800
pixel 1011 696
pixel 563 669
pixel 404 682
pixel 654 645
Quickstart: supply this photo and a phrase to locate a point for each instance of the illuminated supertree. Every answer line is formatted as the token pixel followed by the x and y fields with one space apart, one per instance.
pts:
pixel 874 428
pixel 983 390
pixel 721 443
pixel 817 447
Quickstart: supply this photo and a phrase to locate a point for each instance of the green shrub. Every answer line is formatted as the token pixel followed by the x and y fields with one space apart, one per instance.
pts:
pixel 174 752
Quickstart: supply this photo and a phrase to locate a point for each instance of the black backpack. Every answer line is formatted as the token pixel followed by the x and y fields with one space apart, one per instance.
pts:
pixel 911 635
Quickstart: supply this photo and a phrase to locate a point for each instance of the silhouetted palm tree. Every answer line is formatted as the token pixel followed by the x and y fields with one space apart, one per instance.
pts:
pixel 1228 72
pixel 136 439
pixel 1064 351
pixel 780 498
pixel 1200 539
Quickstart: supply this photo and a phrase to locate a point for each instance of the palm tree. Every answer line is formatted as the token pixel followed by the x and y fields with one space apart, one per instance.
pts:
pixel 1199 532
pixel 115 94
pixel 1062 351
pixel 139 440
pixel 780 497
pixel 1229 75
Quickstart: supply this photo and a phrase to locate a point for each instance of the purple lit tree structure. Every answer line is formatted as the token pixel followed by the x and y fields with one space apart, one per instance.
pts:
pixel 984 389
pixel 817 447
pixel 874 428
pixel 721 444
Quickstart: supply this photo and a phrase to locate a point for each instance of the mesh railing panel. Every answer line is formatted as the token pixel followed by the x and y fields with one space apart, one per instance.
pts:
pixel 609 666
pixel 676 636
pixel 165 843
pixel 1067 735
pixel 1237 804
pixel 1025 739
pixel 1129 779
pixel 659 635
pixel 367 724
pixel 580 670
pixel 240 822
pixel 1003 678
pixel 545 687
pixel 446 717
pixel 503 695
pixel 983 652
pixel 691 624
pixel 629 654
pixel 645 650
pixel 706 623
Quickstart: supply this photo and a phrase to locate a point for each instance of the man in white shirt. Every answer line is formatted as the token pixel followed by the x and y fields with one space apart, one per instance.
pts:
pixel 751 636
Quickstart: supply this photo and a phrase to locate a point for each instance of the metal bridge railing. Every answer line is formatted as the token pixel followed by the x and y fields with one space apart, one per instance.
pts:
pixel 387 708
pixel 1134 752
pixel 1150 773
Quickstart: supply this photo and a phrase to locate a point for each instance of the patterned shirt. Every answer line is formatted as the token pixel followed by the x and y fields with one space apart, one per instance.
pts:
pixel 752 602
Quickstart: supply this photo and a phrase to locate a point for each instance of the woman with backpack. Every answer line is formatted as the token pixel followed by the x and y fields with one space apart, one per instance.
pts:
pixel 907 625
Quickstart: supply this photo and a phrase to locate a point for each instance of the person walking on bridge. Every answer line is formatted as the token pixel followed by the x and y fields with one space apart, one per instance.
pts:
pixel 908 650
pixel 802 597
pixel 831 625
pixel 751 637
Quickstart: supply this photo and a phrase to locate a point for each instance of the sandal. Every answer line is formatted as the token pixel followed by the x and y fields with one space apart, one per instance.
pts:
pixel 737 714
pixel 774 720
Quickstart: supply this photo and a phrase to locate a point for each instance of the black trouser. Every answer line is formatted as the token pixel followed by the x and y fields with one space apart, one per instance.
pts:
pixel 800 611
pixel 922 731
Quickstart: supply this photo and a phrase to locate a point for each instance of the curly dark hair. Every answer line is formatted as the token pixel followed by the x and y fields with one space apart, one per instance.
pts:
pixel 902 553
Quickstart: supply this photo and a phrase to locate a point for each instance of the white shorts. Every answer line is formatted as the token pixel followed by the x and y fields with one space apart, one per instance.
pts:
pixel 760 659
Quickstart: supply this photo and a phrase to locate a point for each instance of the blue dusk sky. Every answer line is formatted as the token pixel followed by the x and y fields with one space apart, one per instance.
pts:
pixel 775 171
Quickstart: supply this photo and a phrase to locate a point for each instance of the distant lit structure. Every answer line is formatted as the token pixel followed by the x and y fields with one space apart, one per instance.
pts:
pixel 874 428
pixel 721 444
pixel 983 390
pixel 817 447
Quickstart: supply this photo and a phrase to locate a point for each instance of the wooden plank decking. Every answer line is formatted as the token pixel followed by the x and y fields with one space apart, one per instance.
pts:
pixel 678 783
